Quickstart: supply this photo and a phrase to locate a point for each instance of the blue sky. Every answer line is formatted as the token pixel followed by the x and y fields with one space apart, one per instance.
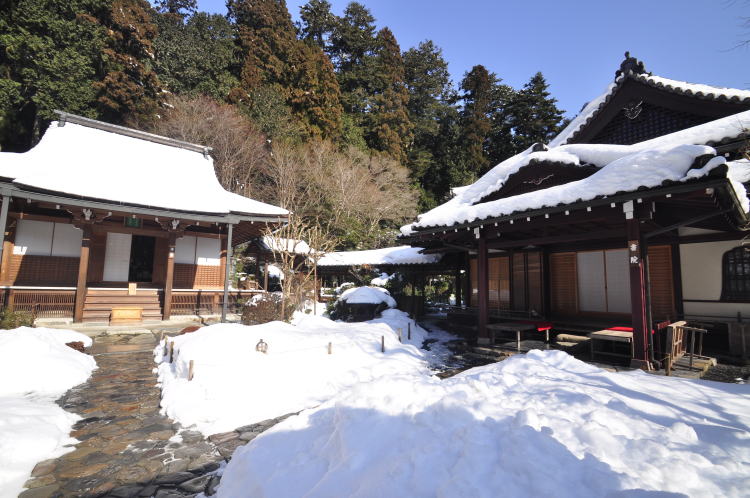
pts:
pixel 577 48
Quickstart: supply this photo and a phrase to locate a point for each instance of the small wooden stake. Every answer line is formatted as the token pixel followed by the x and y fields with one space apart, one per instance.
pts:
pixel 171 351
pixel 161 337
pixel 330 348
pixel 409 330
pixel 190 371
pixel 382 344
pixel 399 335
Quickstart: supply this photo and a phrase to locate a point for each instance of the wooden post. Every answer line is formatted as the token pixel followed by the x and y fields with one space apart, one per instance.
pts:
pixel 168 281
pixel 457 284
pixel 83 268
pixel 3 222
pixel 227 271
pixel 637 296
pixel 408 327
pixel 382 344
pixel 483 283
pixel 399 336
pixel 265 273
pixel 171 351
pixel 190 371
pixel 330 348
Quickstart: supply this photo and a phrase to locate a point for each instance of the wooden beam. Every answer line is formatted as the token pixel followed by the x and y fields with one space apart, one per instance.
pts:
pixel 539 241
pixel 83 268
pixel 169 279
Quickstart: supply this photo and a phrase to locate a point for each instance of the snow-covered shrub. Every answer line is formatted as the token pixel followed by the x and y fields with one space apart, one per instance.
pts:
pixel 264 308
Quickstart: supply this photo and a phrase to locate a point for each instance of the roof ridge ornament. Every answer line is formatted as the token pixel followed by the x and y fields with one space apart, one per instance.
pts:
pixel 630 65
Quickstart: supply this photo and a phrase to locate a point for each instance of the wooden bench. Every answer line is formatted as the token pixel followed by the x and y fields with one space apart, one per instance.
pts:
pixel 510 327
pixel 608 335
pixel 126 315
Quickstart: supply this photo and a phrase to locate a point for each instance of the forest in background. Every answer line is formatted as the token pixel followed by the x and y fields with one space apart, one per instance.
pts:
pixel 328 117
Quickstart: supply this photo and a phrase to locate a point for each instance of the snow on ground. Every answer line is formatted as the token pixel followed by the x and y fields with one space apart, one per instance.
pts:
pixel 368 295
pixel 540 424
pixel 36 368
pixel 234 385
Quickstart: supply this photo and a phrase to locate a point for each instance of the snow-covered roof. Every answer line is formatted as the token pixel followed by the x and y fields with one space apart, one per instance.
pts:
pixel 277 244
pixel 83 161
pixel 368 295
pixel 401 255
pixel 623 168
pixel 591 109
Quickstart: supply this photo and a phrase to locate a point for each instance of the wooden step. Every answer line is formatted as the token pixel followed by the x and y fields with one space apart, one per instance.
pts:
pixel 109 307
pixel 123 292
pixel 121 299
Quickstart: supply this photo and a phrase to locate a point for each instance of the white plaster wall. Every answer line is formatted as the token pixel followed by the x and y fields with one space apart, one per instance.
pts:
pixel 700 265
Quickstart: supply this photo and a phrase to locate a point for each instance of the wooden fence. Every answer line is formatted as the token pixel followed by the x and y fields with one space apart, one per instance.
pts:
pixel 42 303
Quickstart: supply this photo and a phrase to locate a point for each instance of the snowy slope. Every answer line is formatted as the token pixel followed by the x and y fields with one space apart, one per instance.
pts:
pixel 541 424
pixel 234 385
pixel 36 368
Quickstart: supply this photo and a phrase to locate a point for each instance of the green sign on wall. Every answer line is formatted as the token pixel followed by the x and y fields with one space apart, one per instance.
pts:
pixel 133 222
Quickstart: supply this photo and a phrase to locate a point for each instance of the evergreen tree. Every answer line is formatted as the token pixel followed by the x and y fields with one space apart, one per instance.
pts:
pixel 195 53
pixel 181 8
pixel 535 116
pixel 388 126
pixel 129 86
pixel 317 22
pixel 274 57
pixel 478 86
pixel 428 82
pixel 49 54
pixel 353 43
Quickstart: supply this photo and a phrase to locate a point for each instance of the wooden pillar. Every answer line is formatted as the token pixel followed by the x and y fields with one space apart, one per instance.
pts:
pixel 83 269
pixel 467 280
pixel 641 326
pixel 169 279
pixel 265 273
pixel 457 284
pixel 317 287
pixel 483 284
pixel 3 222
pixel 227 271
pixel 257 268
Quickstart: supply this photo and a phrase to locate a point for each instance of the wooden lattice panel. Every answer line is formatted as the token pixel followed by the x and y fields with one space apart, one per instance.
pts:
pixel 188 276
pixel 42 270
pixel 662 288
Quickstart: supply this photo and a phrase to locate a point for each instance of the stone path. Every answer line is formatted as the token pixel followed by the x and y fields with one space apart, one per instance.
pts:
pixel 127 448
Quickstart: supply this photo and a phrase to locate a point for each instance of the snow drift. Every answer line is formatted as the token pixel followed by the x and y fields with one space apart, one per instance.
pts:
pixel 541 424
pixel 235 385
pixel 36 368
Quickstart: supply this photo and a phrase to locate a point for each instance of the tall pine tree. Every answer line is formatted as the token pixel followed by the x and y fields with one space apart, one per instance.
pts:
pixel 273 58
pixel 535 116
pixel 129 86
pixel 317 22
pixel 388 126
pixel 429 86
pixel 478 88
pixel 49 56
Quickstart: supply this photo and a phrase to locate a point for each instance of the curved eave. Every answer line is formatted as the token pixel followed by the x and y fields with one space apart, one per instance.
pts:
pixel 739 217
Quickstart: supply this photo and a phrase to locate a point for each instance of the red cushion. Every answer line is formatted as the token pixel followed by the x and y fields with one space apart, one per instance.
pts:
pixel 540 326
pixel 624 329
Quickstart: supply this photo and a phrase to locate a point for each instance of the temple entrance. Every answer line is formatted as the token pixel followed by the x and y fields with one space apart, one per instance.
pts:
pixel 141 259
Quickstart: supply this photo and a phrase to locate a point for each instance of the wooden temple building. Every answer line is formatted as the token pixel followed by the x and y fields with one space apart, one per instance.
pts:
pixel 634 215
pixel 101 222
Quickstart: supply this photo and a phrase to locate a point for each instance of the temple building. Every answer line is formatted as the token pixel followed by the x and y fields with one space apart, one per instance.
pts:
pixel 636 214
pixel 99 219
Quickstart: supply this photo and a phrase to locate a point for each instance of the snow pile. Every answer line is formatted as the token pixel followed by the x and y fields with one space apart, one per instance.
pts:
pixel 400 255
pixel 541 424
pixel 368 295
pixel 234 385
pixel 280 244
pixel 381 280
pixel 68 159
pixel 36 368
pixel 646 168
